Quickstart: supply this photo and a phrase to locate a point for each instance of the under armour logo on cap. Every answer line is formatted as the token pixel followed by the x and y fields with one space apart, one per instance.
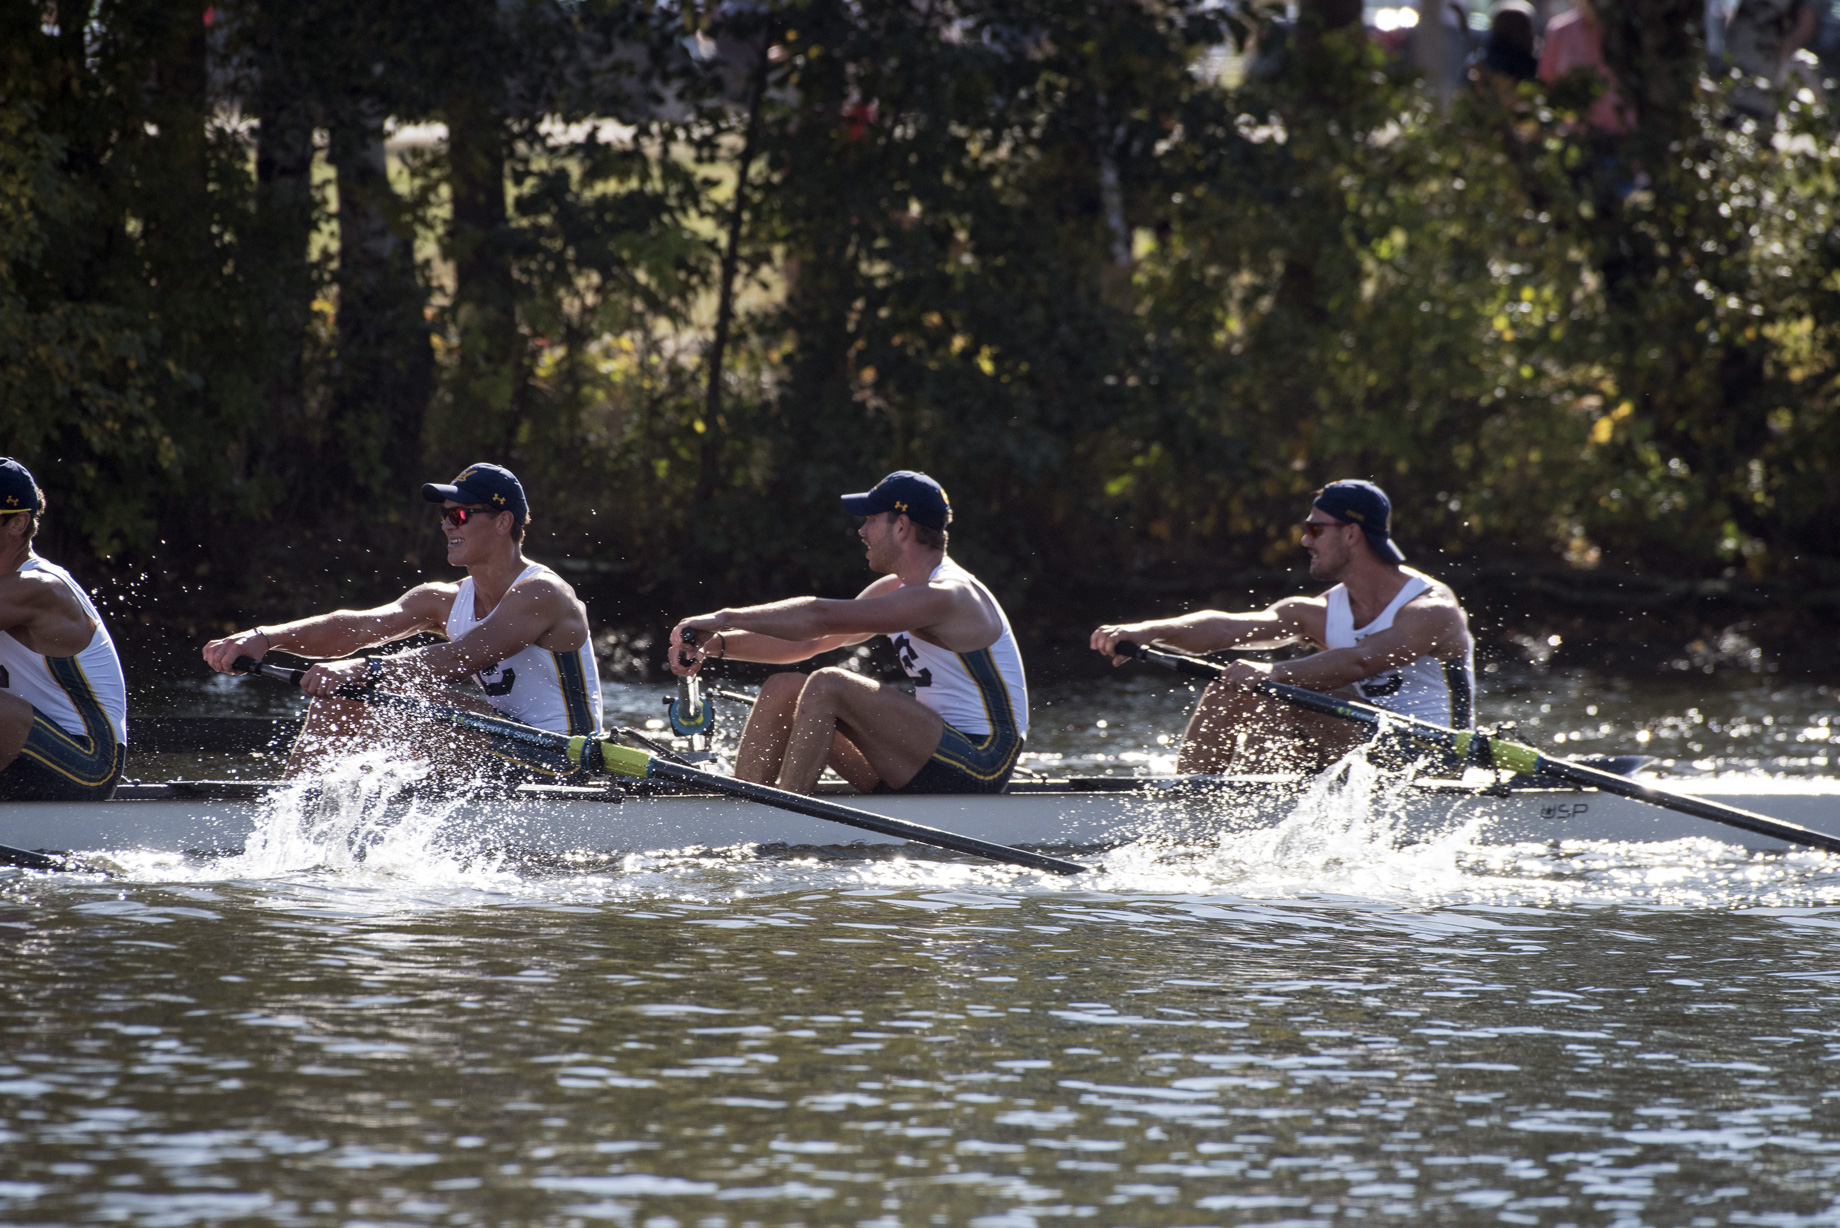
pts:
pixel 18 487
pixel 483 484
pixel 908 492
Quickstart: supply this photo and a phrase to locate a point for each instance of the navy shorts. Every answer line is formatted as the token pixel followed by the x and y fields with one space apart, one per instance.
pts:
pixel 966 763
pixel 56 766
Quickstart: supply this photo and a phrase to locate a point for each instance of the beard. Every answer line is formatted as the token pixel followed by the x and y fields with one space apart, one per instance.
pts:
pixel 1326 569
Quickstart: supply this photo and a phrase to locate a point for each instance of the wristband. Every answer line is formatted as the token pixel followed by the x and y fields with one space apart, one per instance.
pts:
pixel 267 639
pixel 723 636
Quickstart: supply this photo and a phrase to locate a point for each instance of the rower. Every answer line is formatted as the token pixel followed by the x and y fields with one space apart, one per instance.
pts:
pixel 1396 637
pixel 514 626
pixel 63 700
pixel 961 730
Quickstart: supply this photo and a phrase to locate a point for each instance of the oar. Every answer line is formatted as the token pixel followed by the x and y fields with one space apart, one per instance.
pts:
pixel 1487 751
pixel 25 859
pixel 597 755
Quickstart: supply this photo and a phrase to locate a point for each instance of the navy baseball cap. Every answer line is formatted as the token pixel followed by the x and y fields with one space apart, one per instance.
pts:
pixel 492 486
pixel 1356 502
pixel 18 491
pixel 914 495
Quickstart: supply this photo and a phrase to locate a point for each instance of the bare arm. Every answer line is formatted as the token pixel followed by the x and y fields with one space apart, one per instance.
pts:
pixel 1213 630
pixel 1434 628
pixel 342 632
pixel 40 612
pixel 800 628
pixel 1421 629
pixel 522 617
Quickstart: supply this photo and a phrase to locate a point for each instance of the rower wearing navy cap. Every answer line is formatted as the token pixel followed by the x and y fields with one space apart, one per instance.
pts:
pixel 1396 637
pixel 960 731
pixel 63 701
pixel 514 626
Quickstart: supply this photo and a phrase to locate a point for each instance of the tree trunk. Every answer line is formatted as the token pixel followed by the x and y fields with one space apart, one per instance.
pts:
pixel 385 366
pixel 488 383
pixel 709 468
pixel 278 247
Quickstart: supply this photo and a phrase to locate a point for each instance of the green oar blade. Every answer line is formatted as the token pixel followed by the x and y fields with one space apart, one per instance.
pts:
pixel 1498 753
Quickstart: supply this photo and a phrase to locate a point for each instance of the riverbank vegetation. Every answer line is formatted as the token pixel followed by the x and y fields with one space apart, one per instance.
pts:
pixel 693 273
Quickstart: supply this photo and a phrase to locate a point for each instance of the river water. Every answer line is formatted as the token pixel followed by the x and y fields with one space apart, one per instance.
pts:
pixel 1300 1032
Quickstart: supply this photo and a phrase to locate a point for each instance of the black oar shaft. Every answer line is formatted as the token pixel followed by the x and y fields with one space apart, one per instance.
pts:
pixel 1498 752
pixel 817 808
pixel 655 768
pixel 26 859
pixel 1731 816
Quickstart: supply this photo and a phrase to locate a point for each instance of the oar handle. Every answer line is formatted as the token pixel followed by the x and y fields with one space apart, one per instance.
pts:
pixel 1180 662
pixel 281 673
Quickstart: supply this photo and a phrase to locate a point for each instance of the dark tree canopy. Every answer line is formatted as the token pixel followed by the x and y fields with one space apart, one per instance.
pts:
pixel 1131 279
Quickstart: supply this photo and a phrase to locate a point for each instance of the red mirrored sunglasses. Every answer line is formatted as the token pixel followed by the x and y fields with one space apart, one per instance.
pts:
pixel 456 517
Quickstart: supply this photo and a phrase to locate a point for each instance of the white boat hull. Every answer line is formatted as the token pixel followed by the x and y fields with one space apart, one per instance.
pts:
pixel 559 822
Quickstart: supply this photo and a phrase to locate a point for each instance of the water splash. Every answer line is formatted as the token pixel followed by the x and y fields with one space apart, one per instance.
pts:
pixel 362 817
pixel 1346 834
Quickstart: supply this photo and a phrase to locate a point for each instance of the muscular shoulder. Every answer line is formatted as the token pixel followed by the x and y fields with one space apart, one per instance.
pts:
pixel 1438 597
pixel 431 601
pixel 1304 616
pixel 546 585
pixel 37 591
pixel 1437 609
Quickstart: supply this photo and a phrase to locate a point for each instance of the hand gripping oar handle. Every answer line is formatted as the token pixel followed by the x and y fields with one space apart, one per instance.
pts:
pixel 1486 751
pixel 440 714
pixel 596 755
pixel 609 757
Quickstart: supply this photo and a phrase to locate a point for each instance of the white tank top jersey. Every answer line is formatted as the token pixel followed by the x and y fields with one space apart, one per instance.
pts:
pixel 558 691
pixel 1442 692
pixel 974 692
pixel 28 675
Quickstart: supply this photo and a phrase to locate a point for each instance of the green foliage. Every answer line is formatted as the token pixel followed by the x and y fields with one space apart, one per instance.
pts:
pixel 1129 315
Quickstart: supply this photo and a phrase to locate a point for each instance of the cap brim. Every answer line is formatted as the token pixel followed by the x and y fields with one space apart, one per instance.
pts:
pixel 859 505
pixel 1387 549
pixel 434 492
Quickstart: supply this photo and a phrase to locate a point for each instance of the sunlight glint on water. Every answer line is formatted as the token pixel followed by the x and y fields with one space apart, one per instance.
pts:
pixel 366 1018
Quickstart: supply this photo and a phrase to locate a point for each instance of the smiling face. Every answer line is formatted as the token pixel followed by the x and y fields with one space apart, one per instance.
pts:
pixel 474 541
pixel 1331 544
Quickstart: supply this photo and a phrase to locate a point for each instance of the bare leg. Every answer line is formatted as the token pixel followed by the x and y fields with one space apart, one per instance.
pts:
pixel 849 762
pixel 15 728
pixel 1233 730
pixel 769 728
pixel 763 739
pixel 335 728
pixel 895 733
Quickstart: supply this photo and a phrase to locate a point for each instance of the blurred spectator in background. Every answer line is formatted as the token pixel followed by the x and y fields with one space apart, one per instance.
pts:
pixel 1764 44
pixel 1439 46
pixel 1718 16
pixel 1575 43
pixel 1509 50
pixel 1507 58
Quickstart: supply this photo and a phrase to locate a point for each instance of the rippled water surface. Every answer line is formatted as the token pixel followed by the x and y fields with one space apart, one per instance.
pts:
pixel 1308 1027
